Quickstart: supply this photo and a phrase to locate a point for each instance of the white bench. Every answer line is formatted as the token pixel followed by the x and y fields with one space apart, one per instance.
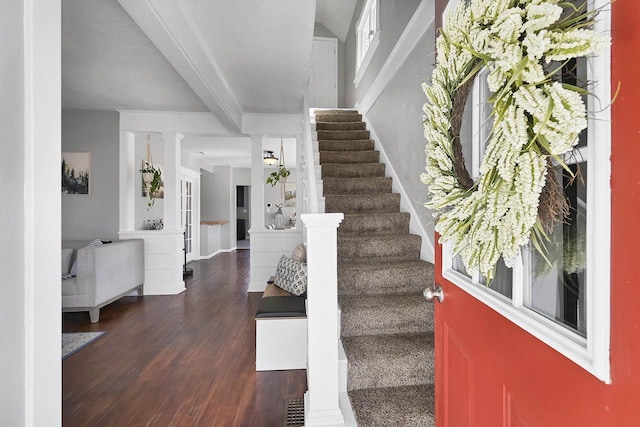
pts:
pixel 281 331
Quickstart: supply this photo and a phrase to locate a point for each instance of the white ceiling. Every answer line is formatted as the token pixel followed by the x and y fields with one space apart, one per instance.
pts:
pixel 336 15
pixel 108 63
pixel 228 57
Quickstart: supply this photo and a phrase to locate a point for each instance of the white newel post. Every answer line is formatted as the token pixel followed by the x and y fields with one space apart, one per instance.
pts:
pixel 257 183
pixel 322 407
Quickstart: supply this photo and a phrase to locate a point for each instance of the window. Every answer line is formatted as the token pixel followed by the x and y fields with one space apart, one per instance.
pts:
pixel 367 36
pixel 564 303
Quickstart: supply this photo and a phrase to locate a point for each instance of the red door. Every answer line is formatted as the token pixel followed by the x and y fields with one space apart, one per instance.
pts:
pixel 491 372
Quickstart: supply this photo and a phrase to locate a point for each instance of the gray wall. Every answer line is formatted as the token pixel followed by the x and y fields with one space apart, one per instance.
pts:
pixel 394 15
pixel 322 31
pixel 396 118
pixel 216 201
pixel 96 215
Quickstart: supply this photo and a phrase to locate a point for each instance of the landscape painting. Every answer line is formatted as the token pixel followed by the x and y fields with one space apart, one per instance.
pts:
pixel 76 173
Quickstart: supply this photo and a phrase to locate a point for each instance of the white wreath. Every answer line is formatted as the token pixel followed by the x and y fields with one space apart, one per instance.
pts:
pixel 522 43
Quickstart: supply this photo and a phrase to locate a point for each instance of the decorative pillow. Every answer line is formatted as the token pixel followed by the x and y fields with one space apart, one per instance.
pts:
pixel 66 259
pixel 299 253
pixel 291 275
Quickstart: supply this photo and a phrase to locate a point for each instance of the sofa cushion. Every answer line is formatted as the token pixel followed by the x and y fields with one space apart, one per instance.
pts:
pixel 281 307
pixel 291 275
pixel 66 259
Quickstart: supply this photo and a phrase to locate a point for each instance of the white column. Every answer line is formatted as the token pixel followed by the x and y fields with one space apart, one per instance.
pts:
pixel 257 183
pixel 127 187
pixel 322 407
pixel 172 168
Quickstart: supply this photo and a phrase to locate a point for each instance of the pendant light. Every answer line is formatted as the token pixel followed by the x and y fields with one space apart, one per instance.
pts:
pixel 269 158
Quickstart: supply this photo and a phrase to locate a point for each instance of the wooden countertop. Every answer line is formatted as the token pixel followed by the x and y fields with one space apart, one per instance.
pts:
pixel 213 222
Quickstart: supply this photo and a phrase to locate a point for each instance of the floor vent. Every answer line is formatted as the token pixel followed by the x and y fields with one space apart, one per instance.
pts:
pixel 295 412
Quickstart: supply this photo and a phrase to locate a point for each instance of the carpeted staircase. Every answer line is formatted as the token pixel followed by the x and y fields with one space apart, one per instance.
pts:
pixel 386 325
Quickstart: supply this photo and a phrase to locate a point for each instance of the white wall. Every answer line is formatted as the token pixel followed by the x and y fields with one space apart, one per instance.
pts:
pixel 85 217
pixel 30 367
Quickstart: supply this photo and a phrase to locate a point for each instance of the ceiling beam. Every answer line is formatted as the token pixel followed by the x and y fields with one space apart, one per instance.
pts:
pixel 172 30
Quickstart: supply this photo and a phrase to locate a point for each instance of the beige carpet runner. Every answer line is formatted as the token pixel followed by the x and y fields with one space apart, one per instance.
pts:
pixel 387 326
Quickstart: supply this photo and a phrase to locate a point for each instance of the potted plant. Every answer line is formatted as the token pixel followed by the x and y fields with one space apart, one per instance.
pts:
pixel 151 181
pixel 279 174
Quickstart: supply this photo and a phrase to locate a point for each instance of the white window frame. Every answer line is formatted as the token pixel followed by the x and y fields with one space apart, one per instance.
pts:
pixel 363 31
pixel 592 352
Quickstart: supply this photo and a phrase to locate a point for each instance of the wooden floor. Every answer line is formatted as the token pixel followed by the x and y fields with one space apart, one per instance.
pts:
pixel 184 360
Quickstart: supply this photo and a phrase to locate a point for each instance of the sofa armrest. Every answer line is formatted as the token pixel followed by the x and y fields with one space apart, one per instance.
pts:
pixel 110 270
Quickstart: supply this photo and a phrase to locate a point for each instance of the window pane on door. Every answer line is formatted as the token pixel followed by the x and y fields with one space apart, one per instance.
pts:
pixel 557 288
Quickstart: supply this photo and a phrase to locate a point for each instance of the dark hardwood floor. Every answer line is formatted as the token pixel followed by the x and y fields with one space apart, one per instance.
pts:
pixel 184 360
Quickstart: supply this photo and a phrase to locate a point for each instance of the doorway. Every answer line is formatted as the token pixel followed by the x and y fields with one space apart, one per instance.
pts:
pixel 323 85
pixel 243 215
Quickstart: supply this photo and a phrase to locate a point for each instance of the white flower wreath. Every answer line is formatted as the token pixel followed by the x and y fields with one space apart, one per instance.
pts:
pixel 536 118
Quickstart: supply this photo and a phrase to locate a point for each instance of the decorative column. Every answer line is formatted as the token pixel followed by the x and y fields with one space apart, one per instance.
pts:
pixel 127 175
pixel 322 403
pixel 163 249
pixel 171 178
pixel 257 183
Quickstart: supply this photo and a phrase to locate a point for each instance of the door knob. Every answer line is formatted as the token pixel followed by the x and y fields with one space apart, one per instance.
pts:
pixel 431 292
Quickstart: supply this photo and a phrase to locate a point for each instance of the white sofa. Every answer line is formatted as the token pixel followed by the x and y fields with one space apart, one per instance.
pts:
pixel 105 273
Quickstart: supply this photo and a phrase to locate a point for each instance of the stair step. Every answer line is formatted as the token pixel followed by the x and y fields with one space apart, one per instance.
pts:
pixel 343 134
pixel 357 185
pixel 395 406
pixel 341 126
pixel 385 314
pixel 332 118
pixel 348 145
pixel 354 170
pixel 362 203
pixel 368 156
pixel 389 360
pixel 334 111
pixel 374 224
pixel 389 248
pixel 384 277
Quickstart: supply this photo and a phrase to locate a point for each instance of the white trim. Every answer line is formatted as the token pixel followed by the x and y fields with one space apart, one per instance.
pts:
pixel 170 26
pixel 421 20
pixel 362 64
pixel 367 59
pixel 591 353
pixel 427 250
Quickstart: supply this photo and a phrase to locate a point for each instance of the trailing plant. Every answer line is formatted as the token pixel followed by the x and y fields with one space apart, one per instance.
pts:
pixel 281 173
pixel 152 183
pixel 536 120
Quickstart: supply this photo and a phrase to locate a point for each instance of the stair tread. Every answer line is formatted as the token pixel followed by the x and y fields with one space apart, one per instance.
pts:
pixel 395 406
pixel 385 314
pixel 389 360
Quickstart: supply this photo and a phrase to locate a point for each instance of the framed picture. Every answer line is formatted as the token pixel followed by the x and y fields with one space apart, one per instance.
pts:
pixel 290 194
pixel 76 173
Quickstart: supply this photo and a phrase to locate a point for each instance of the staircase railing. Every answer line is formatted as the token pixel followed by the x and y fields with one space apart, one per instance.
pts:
pixel 308 164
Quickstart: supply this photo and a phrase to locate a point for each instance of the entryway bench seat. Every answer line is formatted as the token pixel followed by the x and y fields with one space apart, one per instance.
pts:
pixel 281 331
